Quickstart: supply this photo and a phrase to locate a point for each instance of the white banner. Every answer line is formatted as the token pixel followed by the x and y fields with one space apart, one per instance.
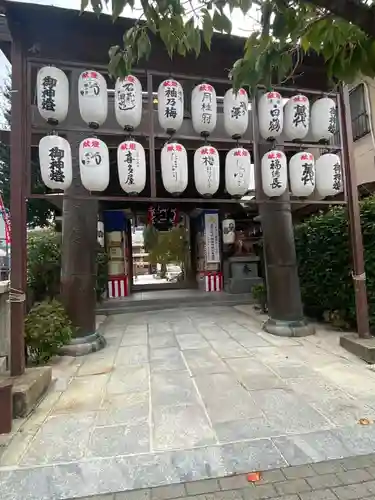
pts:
pixel 211 228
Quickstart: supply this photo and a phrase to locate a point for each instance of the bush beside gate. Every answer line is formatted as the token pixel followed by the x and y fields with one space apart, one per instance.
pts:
pixel 325 265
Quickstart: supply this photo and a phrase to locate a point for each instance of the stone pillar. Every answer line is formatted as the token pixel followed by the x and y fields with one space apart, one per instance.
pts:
pixel 79 247
pixel 284 301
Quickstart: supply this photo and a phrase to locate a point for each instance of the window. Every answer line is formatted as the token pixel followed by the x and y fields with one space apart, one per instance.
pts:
pixel 358 110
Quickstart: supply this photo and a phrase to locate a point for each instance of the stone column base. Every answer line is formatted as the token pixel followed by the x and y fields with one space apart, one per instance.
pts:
pixel 288 328
pixel 79 346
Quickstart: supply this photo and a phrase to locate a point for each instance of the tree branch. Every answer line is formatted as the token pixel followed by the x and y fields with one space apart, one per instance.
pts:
pixel 353 11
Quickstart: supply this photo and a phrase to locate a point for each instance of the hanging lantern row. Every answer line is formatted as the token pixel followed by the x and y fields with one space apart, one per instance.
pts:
pixel 53 102
pixel 295 118
pixel 305 174
pixel 56 167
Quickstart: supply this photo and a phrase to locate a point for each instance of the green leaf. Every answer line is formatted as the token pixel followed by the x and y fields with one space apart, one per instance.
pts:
pixel 305 44
pixel 84 4
pixel 197 42
pixel 113 63
pixel 113 51
pixel 208 29
pixel 221 22
pixel 97 6
pixel 117 8
pixel 245 5
pixel 143 45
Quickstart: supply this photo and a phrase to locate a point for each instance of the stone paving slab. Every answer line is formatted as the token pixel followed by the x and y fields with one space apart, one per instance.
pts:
pixel 190 395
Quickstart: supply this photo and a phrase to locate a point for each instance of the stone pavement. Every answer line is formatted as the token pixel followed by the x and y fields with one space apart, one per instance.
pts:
pixel 185 395
pixel 347 479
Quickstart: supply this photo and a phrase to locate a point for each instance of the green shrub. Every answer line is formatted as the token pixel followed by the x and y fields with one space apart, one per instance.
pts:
pixel 43 264
pixel 259 293
pixel 324 263
pixel 44 267
pixel 47 329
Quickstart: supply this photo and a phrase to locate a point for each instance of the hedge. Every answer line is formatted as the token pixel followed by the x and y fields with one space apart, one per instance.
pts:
pixel 325 265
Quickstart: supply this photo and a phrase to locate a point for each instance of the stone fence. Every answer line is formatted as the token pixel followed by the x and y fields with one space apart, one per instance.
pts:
pixel 4 324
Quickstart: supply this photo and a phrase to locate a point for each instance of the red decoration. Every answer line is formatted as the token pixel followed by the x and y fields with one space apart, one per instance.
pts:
pixel 206 88
pixel 179 148
pixel 130 79
pixel 273 95
pixel 242 152
pixel 170 148
pixel 242 92
pixel 86 144
pixel 170 83
pixel 95 144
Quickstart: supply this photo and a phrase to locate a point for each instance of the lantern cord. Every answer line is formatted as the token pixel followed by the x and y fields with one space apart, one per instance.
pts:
pixel 358 277
pixel 16 295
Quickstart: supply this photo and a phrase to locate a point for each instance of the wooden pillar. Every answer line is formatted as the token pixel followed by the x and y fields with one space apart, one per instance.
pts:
pixel 18 166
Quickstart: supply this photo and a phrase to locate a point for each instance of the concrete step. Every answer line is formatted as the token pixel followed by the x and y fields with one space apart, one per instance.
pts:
pixel 118 306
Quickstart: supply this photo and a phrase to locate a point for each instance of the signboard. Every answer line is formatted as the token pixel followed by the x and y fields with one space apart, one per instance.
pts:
pixel 163 218
pixel 211 227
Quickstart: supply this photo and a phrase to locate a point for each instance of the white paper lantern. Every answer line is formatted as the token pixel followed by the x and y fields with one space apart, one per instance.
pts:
pixel 302 174
pixel 55 158
pixel 52 94
pixel 274 173
pixel 237 171
pixel 174 168
pixel 236 112
pixel 93 98
pixel 94 164
pixel 297 117
pixel 170 105
pixel 100 232
pixel 329 180
pixel 128 102
pixel 271 116
pixel 229 231
pixel 131 164
pixel 323 119
pixel 204 109
pixel 207 170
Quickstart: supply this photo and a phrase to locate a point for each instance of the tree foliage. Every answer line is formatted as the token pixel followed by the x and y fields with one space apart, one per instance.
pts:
pixel 342 32
pixel 39 212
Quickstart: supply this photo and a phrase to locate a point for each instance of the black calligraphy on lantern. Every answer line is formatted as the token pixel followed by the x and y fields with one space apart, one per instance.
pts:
pixel 337 176
pixel 275 167
pixel 129 164
pixel 307 176
pixel 172 95
pixel 238 111
pixel 90 87
pixel 300 115
pixel 274 119
pixel 49 93
pixel 239 175
pixel 174 162
pixel 332 120
pixel 56 164
pixel 126 96
pixel 92 157
pixel 206 103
